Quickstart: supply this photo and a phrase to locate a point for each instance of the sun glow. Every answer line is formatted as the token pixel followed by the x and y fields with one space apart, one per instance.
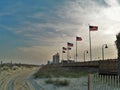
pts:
pixel 112 13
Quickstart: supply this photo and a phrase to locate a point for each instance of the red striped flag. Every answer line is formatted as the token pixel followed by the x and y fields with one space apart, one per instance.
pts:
pixel 63 51
pixel 64 48
pixel 78 39
pixel 70 44
pixel 93 28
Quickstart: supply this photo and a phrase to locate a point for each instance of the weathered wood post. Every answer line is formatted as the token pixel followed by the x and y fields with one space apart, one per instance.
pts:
pixel 89 81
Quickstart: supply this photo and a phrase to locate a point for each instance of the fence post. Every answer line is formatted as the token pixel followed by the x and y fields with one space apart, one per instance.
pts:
pixel 118 81
pixel 89 81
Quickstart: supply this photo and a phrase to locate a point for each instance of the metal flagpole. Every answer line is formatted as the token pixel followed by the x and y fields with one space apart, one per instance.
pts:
pixel 84 56
pixel 62 54
pixel 90 45
pixel 67 52
pixel 76 50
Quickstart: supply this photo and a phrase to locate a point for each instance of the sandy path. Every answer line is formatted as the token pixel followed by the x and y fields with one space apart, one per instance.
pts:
pixel 19 80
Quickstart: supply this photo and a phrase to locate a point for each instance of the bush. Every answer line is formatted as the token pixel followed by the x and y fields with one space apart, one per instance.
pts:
pixel 5 68
pixel 58 82
pixel 61 83
pixel 49 81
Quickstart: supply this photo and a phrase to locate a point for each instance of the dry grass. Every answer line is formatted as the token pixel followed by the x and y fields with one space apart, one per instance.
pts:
pixel 53 72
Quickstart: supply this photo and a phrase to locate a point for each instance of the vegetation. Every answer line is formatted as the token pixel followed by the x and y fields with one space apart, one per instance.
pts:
pixel 118 48
pixel 118 45
pixel 5 68
pixel 53 72
pixel 58 82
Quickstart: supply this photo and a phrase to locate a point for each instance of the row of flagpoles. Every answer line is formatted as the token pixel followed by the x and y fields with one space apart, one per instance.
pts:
pixel 70 45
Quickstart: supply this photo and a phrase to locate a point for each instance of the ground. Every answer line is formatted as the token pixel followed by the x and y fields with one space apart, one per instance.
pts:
pixel 21 78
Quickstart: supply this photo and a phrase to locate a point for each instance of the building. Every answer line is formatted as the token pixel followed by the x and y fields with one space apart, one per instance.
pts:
pixel 56 58
pixel 49 62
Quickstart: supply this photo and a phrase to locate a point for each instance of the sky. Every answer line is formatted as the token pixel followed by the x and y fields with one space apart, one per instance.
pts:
pixel 32 31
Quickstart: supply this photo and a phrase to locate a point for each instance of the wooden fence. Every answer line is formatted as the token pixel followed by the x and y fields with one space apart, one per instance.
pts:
pixel 103 82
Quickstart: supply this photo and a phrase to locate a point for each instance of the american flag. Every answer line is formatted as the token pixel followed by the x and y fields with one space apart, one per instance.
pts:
pixel 64 48
pixel 78 39
pixel 93 28
pixel 63 51
pixel 70 44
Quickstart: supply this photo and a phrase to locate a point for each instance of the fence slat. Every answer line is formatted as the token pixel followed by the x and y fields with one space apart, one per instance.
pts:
pixel 103 82
pixel 118 81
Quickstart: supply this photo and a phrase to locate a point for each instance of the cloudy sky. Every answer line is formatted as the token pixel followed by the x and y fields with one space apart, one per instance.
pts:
pixel 31 31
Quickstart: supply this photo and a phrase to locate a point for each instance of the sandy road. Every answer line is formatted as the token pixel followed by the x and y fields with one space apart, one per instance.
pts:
pixel 19 80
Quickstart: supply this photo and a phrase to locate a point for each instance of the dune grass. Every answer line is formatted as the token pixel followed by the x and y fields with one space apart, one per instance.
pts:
pixel 57 82
pixel 53 72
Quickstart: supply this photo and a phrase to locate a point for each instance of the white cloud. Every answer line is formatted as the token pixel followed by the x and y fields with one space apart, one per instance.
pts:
pixel 69 20
pixel 75 17
pixel 40 53
pixel 112 2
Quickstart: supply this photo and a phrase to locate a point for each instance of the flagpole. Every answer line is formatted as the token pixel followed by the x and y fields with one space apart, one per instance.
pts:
pixel 62 54
pixel 76 50
pixel 67 52
pixel 90 45
pixel 68 47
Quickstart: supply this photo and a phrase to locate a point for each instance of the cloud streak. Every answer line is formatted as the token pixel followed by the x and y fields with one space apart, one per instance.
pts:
pixel 48 25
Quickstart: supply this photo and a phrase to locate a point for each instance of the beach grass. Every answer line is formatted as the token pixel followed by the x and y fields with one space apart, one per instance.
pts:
pixel 57 82
pixel 54 72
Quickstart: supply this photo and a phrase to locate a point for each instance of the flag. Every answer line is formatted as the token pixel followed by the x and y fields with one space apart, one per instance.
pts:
pixel 64 48
pixel 78 39
pixel 69 48
pixel 93 28
pixel 86 51
pixel 63 52
pixel 70 44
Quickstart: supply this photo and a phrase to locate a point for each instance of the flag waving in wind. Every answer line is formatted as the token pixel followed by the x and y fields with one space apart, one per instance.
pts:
pixel 93 28
pixel 70 44
pixel 64 48
pixel 78 39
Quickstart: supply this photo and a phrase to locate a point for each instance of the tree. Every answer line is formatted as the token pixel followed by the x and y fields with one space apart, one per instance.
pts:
pixel 118 48
pixel 118 45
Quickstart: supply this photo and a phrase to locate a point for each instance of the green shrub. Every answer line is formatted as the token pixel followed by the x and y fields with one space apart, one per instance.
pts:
pixel 57 82
pixel 49 81
pixel 61 82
